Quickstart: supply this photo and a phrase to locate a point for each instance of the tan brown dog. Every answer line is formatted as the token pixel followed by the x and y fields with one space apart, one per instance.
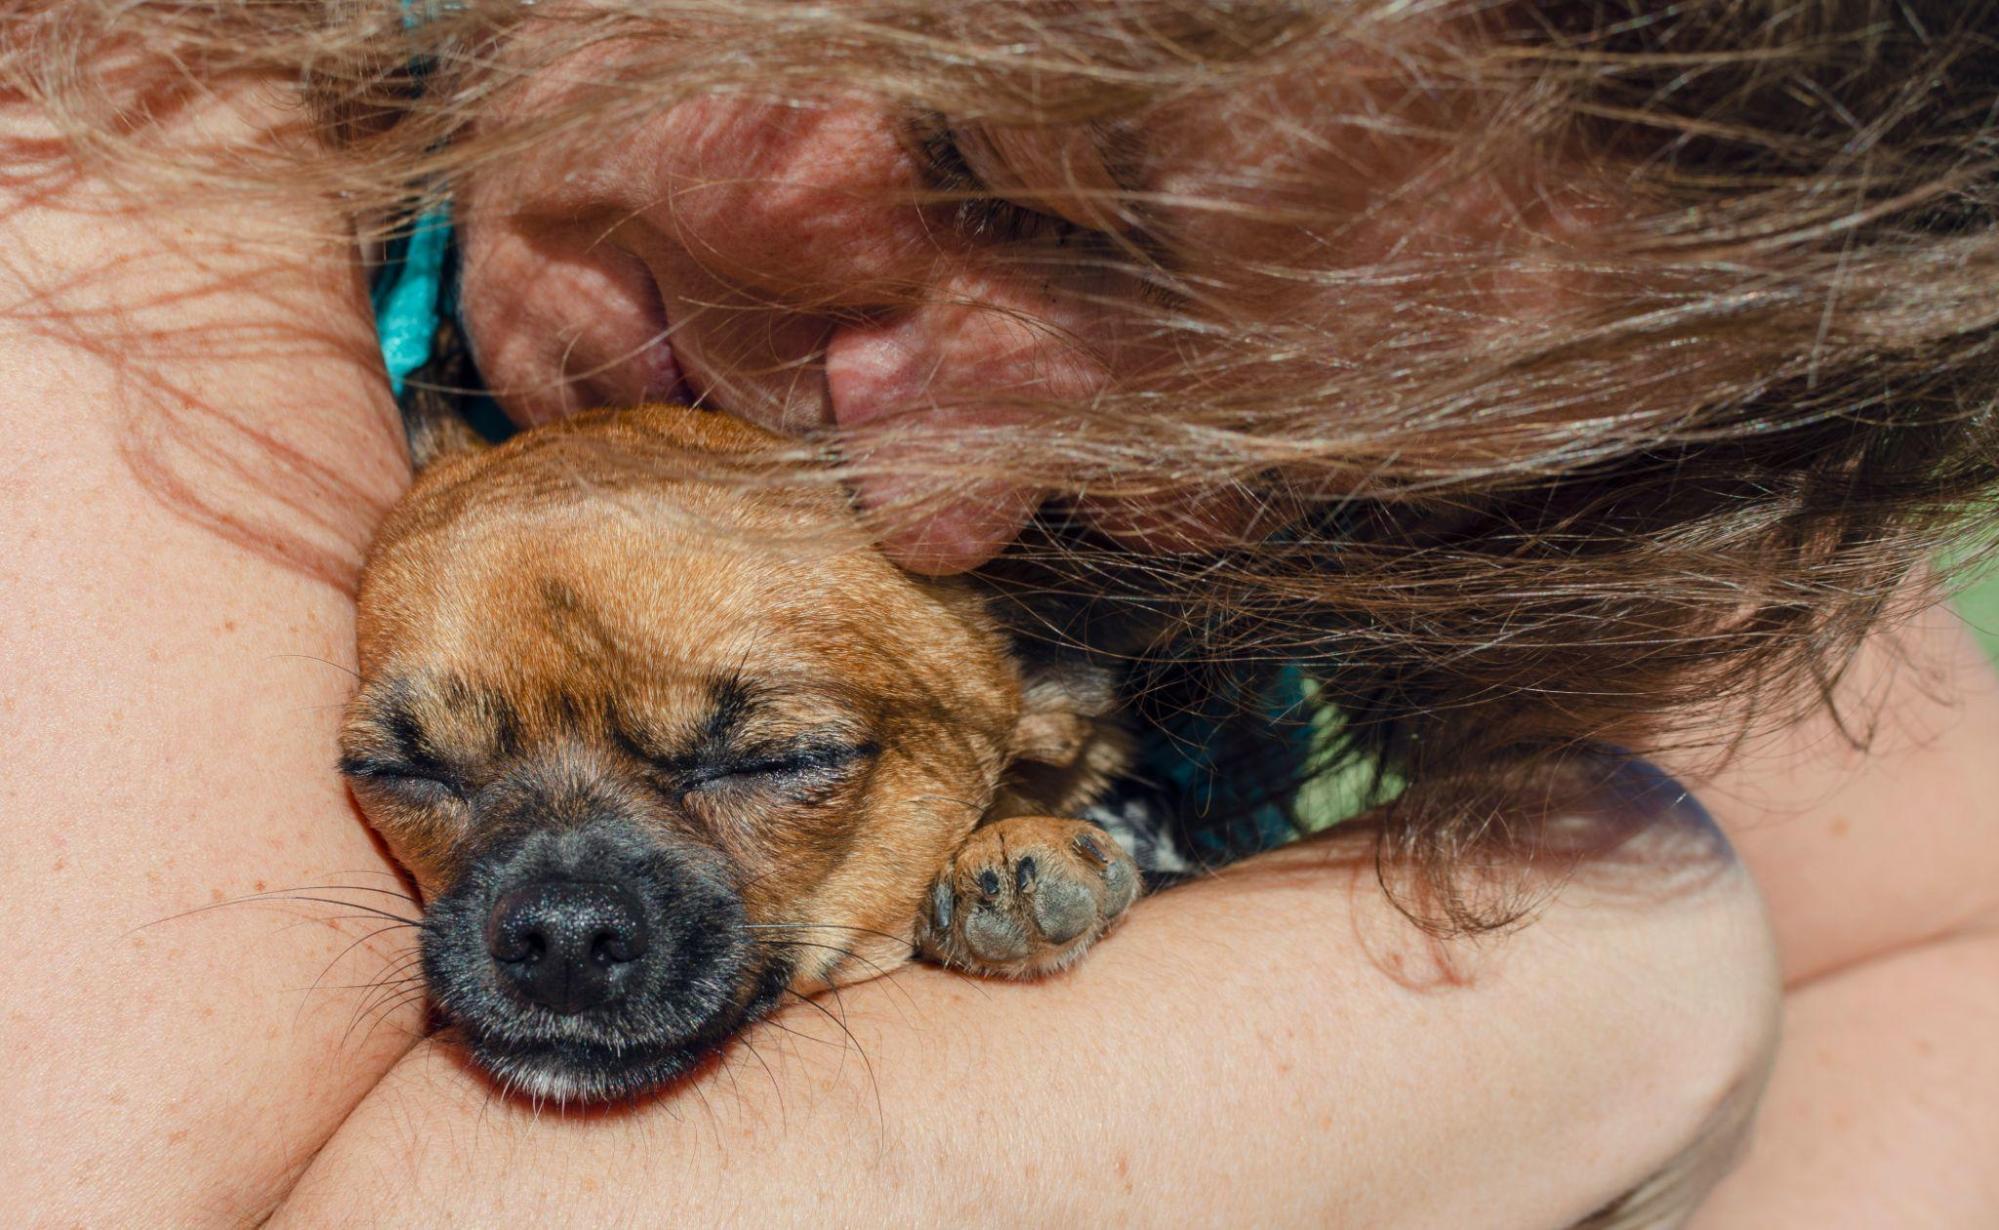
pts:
pixel 660 746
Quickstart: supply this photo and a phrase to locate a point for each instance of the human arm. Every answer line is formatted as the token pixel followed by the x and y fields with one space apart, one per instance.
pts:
pixel 176 1070
pixel 198 443
pixel 1270 1046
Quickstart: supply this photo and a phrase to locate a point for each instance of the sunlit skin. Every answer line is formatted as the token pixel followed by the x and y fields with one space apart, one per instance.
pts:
pixel 743 250
pixel 772 262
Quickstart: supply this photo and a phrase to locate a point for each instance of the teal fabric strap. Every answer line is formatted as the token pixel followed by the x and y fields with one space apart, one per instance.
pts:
pixel 409 296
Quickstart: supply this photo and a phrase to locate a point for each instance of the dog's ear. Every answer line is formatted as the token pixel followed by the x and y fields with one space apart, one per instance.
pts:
pixel 1062 702
pixel 1067 747
pixel 435 430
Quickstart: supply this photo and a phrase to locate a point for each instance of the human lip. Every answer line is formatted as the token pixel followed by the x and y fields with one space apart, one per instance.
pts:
pixel 662 377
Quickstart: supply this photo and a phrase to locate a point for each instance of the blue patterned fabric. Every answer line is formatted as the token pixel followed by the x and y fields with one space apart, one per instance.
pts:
pixel 409 295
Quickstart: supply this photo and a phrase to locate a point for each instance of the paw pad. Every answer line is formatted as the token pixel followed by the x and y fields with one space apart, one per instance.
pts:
pixel 1027 895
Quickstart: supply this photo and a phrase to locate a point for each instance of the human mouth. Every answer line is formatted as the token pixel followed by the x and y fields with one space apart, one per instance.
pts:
pixel 663 379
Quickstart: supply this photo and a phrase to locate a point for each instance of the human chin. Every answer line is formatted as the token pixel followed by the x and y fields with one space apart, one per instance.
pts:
pixel 957 534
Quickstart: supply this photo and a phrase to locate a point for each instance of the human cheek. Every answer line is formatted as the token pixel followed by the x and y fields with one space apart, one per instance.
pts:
pixel 948 389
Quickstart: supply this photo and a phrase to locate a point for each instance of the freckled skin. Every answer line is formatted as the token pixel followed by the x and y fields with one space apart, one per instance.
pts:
pixel 588 659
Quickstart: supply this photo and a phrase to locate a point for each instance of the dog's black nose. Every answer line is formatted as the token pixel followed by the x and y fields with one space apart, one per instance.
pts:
pixel 567 945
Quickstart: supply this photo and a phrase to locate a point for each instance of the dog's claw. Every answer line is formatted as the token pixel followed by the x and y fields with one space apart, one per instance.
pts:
pixel 941 902
pixel 1027 895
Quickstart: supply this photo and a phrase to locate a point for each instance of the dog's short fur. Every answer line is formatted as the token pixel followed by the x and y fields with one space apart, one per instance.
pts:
pixel 659 745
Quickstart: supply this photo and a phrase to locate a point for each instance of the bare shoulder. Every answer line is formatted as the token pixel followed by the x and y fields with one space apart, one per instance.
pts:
pixel 1874 831
pixel 196 452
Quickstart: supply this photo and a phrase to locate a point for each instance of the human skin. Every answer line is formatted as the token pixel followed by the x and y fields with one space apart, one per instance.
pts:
pixel 1347 1072
pixel 1882 874
pixel 173 685
pixel 156 1130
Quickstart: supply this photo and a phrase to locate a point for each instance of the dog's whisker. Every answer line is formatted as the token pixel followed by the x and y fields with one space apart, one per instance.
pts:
pixel 848 953
pixel 396 976
pixel 852 1043
pixel 328 918
pixel 781 1027
pixel 348 888
pixel 777 1089
pixel 305 997
pixel 405 970
pixel 887 977
pixel 271 898
pixel 384 1000
pixel 396 985
pixel 389 987
pixel 389 1010
pixel 381 1005
pixel 868 1064
pixel 814 926
pixel 405 979
pixel 306 657
pixel 714 1123
pixel 352 905
pixel 366 871
pixel 340 956
pixel 735 1086
pixel 493 1088
pixel 395 921
pixel 757 879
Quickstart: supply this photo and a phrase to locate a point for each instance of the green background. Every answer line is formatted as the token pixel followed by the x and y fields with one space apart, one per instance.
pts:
pixel 1980 606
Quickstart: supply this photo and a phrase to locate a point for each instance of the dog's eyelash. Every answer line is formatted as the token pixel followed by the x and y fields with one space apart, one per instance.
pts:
pixel 811 762
pixel 397 776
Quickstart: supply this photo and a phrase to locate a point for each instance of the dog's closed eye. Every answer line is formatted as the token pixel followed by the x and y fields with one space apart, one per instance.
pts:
pixel 408 783
pixel 799 765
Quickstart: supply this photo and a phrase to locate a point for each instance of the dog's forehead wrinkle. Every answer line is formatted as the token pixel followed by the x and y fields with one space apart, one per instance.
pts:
pixel 506 723
pixel 576 623
pixel 441 720
pixel 404 710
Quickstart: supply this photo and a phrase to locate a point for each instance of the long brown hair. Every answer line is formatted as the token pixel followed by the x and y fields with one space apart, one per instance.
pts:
pixel 1758 404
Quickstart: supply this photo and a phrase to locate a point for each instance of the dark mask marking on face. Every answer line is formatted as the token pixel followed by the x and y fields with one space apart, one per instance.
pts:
pixel 689 972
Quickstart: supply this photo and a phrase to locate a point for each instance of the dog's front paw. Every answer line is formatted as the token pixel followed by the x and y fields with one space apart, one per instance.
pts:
pixel 1025 896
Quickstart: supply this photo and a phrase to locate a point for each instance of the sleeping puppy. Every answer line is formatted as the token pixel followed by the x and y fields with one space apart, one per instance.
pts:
pixel 660 744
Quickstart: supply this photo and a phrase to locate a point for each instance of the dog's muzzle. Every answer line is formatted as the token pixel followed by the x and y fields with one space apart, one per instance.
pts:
pixel 594 962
